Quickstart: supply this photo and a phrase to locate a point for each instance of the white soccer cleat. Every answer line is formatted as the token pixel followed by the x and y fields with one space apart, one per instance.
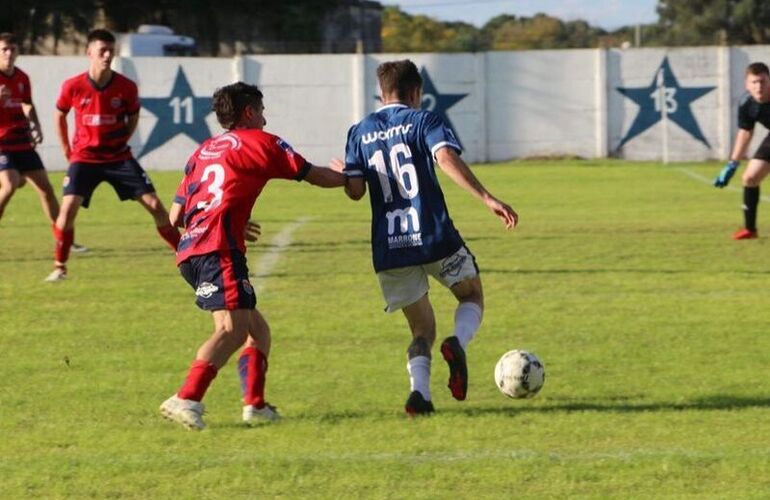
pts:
pixel 184 411
pixel 58 274
pixel 255 416
pixel 75 248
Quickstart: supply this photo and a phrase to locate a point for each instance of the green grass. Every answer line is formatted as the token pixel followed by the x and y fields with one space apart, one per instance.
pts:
pixel 652 323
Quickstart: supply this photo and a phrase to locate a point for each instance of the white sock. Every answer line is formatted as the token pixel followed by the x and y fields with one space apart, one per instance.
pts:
pixel 419 375
pixel 467 321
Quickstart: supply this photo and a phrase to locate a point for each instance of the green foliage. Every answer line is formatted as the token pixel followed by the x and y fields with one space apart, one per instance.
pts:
pixel 402 32
pixel 713 22
pixel 622 277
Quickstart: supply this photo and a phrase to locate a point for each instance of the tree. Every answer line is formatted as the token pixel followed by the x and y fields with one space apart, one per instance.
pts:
pixel 715 21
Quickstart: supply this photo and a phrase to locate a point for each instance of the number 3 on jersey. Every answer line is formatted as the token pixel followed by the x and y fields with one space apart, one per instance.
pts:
pixel 403 172
pixel 216 171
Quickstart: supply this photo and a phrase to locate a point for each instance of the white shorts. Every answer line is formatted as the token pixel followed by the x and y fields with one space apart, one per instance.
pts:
pixel 406 285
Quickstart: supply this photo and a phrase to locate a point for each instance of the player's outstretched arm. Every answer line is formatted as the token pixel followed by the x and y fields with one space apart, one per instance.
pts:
pixel 324 177
pixel 355 187
pixel 457 170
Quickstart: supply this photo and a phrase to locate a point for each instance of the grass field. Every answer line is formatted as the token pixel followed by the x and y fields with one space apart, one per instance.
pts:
pixel 653 324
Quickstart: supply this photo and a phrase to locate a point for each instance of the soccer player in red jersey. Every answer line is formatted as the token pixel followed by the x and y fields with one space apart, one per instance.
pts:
pixel 106 106
pixel 222 181
pixel 20 132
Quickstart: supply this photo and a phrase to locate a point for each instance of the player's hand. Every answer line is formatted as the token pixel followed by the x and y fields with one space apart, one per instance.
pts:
pixel 723 179
pixel 252 231
pixel 337 165
pixel 37 134
pixel 506 214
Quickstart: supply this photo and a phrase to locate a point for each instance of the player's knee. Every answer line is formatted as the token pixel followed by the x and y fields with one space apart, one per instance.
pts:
pixel 420 346
pixel 7 190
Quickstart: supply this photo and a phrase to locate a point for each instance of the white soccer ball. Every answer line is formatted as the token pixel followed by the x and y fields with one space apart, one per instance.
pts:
pixel 519 374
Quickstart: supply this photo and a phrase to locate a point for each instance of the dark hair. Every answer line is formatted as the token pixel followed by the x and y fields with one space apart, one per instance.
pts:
pixel 8 38
pixel 230 101
pixel 757 69
pixel 399 77
pixel 101 35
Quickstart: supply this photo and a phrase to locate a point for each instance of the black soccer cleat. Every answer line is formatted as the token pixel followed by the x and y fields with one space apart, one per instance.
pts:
pixel 416 405
pixel 454 355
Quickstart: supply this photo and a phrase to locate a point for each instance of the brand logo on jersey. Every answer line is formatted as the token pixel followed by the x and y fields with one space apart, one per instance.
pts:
pixel 217 146
pixel 85 102
pixel 12 103
pixel 99 120
pixel 115 102
pixel 384 135
pixel 285 146
pixel 206 290
pixel 403 220
pixel 452 265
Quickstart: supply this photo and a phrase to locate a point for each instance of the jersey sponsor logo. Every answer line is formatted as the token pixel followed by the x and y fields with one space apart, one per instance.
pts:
pixel 206 290
pixel 452 265
pixel 384 135
pixel 85 102
pixel 12 102
pixel 285 146
pixel 115 102
pixel 99 120
pixel 403 220
pixel 217 146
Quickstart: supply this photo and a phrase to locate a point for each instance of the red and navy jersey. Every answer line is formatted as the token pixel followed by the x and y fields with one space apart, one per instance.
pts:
pixel 14 126
pixel 222 181
pixel 101 132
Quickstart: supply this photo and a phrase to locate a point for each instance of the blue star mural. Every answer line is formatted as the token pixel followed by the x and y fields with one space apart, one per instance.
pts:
pixel 179 113
pixel 439 103
pixel 678 100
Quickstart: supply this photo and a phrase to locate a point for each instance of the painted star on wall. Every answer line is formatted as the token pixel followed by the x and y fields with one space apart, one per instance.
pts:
pixel 677 100
pixel 439 103
pixel 179 113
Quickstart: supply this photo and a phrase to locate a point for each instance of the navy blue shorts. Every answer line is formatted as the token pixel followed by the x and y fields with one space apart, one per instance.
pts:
pixel 128 179
pixel 220 280
pixel 23 161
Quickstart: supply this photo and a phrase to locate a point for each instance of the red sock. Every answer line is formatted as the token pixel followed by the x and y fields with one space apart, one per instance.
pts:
pixel 252 369
pixel 64 241
pixel 198 380
pixel 170 234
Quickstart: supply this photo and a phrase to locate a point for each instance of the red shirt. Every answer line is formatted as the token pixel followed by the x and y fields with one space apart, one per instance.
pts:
pixel 222 181
pixel 14 126
pixel 101 134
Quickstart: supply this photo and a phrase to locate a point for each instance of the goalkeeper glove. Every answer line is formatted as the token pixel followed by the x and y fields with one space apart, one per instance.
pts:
pixel 723 179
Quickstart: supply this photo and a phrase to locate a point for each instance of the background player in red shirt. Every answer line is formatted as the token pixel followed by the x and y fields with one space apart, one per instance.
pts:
pixel 19 133
pixel 106 106
pixel 223 179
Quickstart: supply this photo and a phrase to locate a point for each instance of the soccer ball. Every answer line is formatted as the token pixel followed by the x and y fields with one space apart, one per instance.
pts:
pixel 519 374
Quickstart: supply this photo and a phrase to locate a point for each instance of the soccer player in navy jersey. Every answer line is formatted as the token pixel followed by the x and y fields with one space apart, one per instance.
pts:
pixel 755 107
pixel 106 106
pixel 393 151
pixel 20 132
pixel 222 181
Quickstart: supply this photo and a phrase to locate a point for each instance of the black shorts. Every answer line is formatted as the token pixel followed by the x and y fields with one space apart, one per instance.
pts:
pixel 23 161
pixel 763 151
pixel 127 178
pixel 220 280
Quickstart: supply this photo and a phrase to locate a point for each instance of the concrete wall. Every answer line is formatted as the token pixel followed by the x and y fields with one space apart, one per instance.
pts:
pixel 502 105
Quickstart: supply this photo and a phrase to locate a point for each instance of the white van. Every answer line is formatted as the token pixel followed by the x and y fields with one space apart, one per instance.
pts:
pixel 155 40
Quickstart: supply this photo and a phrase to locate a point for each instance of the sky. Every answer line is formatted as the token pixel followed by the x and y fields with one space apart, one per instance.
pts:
pixel 607 14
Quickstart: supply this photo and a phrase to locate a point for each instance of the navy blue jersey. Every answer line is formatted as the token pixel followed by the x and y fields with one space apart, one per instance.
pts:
pixel 393 150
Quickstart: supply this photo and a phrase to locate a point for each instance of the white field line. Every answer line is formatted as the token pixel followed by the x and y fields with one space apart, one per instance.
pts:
pixel 270 257
pixel 706 180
